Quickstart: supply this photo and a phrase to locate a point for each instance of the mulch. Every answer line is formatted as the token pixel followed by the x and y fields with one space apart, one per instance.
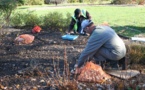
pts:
pixel 33 66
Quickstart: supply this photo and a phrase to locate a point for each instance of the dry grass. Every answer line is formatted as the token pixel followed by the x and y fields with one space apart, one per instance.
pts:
pixel 64 81
pixel 136 53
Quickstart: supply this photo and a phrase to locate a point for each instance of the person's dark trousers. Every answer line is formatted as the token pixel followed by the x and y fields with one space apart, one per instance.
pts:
pixel 114 64
pixel 117 63
pixel 79 27
pixel 123 63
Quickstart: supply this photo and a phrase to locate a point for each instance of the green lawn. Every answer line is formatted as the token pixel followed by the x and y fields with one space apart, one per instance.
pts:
pixel 126 20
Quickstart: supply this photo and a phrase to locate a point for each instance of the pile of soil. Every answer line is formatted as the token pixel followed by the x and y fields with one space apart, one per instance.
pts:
pixel 28 67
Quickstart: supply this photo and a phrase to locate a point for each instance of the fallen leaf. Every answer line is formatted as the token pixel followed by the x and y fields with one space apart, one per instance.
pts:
pixel 1 86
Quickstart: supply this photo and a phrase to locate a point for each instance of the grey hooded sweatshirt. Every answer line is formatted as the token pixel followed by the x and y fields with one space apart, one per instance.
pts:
pixel 103 44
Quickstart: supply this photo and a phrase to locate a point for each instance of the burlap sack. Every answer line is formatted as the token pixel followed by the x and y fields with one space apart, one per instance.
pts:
pixel 92 73
pixel 36 29
pixel 24 39
pixel 105 24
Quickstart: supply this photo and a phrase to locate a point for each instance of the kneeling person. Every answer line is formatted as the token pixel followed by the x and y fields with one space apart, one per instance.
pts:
pixel 103 44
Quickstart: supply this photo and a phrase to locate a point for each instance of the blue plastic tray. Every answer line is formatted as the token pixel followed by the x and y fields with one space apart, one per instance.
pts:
pixel 70 37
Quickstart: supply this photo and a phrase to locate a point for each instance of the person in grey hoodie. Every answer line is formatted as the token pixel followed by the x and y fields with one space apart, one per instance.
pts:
pixel 103 44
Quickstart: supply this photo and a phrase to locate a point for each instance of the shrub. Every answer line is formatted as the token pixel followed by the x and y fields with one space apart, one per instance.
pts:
pixel 32 19
pixel 7 6
pixel 17 20
pixel 136 53
pixel 52 20
pixel 33 2
pixel 2 21
pixel 67 20
pixel 55 21
pixel 93 1
pixel 121 1
pixel 140 2
pixel 53 1
pixel 25 19
pixel 73 1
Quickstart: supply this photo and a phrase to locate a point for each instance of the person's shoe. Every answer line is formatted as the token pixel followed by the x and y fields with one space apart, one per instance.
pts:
pixel 73 33
pixel 85 34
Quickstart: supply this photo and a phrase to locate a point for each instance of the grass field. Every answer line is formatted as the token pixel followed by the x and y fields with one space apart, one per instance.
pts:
pixel 126 20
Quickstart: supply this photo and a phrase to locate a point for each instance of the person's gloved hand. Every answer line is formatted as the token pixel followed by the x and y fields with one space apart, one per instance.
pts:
pixel 78 70
pixel 73 70
pixel 67 33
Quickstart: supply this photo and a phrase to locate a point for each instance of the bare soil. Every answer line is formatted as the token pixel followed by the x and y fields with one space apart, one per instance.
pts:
pixel 48 47
pixel 27 67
